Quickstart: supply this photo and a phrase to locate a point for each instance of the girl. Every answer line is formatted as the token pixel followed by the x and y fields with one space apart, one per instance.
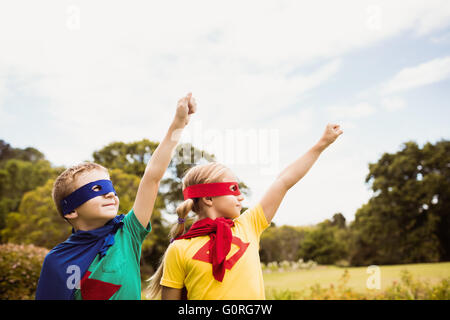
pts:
pixel 218 258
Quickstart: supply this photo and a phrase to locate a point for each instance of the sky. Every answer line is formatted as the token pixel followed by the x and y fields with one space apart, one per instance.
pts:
pixel 268 76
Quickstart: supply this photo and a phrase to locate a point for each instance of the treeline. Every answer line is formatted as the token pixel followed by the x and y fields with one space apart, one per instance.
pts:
pixel 406 221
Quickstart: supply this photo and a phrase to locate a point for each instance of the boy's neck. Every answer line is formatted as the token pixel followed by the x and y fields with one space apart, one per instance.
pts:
pixel 82 225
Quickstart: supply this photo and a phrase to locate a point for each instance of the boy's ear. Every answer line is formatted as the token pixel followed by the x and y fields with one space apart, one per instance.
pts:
pixel 72 215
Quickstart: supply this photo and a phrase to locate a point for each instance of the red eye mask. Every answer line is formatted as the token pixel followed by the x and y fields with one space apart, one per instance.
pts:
pixel 211 190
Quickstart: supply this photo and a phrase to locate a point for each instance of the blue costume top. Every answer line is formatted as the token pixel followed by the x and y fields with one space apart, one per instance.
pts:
pixel 79 250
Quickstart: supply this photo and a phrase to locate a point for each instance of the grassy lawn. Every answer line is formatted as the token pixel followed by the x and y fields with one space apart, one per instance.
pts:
pixel 325 275
pixel 302 280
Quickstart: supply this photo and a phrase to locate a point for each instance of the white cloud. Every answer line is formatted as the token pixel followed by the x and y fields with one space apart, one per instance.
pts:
pixel 143 56
pixel 441 39
pixel 3 92
pixel 393 104
pixel 431 20
pixel 120 74
pixel 357 111
pixel 423 74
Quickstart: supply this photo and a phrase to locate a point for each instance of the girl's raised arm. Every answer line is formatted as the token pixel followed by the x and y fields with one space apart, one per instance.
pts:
pixel 295 171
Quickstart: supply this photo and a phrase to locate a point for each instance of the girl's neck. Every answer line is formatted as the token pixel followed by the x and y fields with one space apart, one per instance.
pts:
pixel 209 213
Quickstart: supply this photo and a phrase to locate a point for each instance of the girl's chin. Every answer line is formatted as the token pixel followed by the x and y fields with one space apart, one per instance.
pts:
pixel 235 215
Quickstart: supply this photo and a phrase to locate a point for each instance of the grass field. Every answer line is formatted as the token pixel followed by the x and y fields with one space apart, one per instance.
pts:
pixel 300 281
pixel 287 285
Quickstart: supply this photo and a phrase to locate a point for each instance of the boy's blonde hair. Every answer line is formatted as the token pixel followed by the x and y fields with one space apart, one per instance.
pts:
pixel 65 183
pixel 206 173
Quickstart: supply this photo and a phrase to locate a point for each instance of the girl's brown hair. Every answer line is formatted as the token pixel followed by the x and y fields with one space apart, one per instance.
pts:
pixel 206 173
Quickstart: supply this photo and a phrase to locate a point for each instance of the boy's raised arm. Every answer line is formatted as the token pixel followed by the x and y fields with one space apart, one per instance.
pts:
pixel 295 171
pixel 159 161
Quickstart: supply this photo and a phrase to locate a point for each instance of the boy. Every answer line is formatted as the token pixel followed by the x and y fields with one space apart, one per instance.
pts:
pixel 100 260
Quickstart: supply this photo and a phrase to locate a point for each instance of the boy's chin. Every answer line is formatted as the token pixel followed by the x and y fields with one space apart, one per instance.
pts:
pixel 110 214
pixel 113 214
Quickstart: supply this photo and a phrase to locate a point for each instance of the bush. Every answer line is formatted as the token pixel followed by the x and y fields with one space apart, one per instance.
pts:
pixel 20 267
pixel 410 289
pixel 281 294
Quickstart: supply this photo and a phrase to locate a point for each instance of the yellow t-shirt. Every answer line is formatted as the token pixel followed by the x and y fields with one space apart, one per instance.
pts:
pixel 186 263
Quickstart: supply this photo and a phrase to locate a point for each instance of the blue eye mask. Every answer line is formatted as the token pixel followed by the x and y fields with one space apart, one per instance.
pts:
pixel 85 193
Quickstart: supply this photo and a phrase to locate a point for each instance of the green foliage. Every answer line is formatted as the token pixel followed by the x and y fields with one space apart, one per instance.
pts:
pixel 408 218
pixel 281 243
pixel 154 246
pixel 28 154
pixel 20 267
pixel 412 289
pixel 18 177
pixel 338 221
pixel 37 221
pixel 283 294
pixel 126 186
pixel 131 158
pixel 156 242
pixel 21 170
pixel 325 244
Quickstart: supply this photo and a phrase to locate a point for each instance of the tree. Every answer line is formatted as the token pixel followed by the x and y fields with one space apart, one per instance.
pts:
pixel 126 186
pixel 18 177
pixel 37 221
pixel 325 244
pixel 281 243
pixel 28 154
pixel 338 220
pixel 131 158
pixel 408 218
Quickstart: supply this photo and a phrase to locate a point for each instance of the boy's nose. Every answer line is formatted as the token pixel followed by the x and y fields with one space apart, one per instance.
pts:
pixel 109 195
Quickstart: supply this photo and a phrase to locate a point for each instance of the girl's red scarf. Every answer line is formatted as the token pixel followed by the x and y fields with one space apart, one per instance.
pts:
pixel 219 231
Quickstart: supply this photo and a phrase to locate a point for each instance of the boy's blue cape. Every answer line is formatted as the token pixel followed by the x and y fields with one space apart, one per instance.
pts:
pixel 79 250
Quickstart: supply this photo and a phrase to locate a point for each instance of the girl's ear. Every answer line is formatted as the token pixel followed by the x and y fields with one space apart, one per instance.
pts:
pixel 207 201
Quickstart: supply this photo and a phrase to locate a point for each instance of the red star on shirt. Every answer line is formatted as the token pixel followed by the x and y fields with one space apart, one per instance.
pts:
pixel 93 289
pixel 203 253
